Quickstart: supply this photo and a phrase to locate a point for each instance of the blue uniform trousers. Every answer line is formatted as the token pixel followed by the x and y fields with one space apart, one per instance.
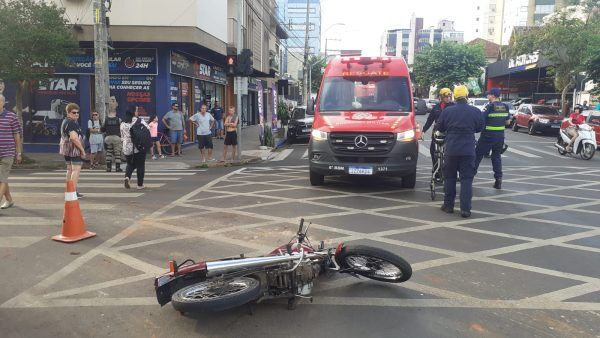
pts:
pixel 484 145
pixel 465 165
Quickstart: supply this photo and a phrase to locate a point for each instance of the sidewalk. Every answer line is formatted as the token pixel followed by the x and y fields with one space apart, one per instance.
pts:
pixel 251 153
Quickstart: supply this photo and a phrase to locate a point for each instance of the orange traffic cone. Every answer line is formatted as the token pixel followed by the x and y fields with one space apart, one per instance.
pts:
pixel 73 228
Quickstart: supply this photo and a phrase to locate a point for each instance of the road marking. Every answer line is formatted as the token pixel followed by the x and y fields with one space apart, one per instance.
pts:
pixel 29 221
pixel 47 195
pixel 282 155
pixel 57 206
pixel 424 151
pixel 545 152
pixel 79 185
pixel 305 155
pixel 18 241
pixel 88 178
pixel 522 153
pixel 147 171
pixel 85 173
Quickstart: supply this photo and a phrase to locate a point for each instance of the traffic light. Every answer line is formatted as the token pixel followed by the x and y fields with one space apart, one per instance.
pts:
pixel 231 62
pixel 244 64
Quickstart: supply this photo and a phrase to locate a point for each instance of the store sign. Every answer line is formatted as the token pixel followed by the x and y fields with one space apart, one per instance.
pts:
pixel 120 62
pixel 524 60
pixel 131 92
pixel 187 65
pixel 274 116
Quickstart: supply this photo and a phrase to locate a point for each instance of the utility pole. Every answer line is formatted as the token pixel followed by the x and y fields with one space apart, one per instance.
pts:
pixel 239 46
pixel 102 89
pixel 306 69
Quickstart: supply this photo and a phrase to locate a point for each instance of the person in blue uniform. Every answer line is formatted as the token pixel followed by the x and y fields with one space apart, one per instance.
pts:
pixel 460 122
pixel 436 111
pixel 496 116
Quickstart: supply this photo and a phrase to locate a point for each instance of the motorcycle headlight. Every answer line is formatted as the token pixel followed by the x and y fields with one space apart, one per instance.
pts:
pixel 318 135
pixel 406 136
pixel 543 120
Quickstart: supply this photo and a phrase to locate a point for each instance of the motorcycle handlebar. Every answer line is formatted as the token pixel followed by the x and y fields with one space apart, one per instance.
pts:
pixel 301 226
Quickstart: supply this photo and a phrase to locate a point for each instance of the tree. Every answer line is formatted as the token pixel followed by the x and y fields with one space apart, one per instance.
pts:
pixel 447 64
pixel 569 40
pixel 317 63
pixel 35 38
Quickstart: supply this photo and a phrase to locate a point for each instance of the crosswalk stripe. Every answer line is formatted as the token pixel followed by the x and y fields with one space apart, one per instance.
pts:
pixel 61 196
pixel 424 151
pixel 85 173
pixel 18 241
pixel 79 185
pixel 545 152
pixel 88 178
pixel 282 155
pixel 305 155
pixel 522 153
pixel 9 220
pixel 60 206
pixel 154 170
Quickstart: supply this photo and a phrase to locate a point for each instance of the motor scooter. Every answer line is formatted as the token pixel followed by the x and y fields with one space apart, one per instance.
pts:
pixel 584 145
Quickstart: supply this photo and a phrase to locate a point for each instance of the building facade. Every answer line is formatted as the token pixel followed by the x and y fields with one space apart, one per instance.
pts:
pixel 487 20
pixel 538 9
pixel 515 15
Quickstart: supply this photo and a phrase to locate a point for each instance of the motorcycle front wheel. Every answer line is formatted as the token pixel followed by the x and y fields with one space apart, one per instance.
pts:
pixel 588 151
pixel 374 263
pixel 216 295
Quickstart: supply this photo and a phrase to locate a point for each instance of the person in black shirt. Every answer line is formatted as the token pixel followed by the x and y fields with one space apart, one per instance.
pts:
pixel 71 144
pixel 112 139
pixel 436 111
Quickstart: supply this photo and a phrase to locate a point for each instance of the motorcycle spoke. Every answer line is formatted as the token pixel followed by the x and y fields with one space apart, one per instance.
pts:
pixel 374 266
pixel 210 290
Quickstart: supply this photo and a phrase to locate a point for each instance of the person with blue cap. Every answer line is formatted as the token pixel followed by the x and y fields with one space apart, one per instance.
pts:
pixel 460 122
pixel 497 117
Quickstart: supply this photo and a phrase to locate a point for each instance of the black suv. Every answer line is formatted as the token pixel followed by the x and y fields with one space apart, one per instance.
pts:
pixel 300 125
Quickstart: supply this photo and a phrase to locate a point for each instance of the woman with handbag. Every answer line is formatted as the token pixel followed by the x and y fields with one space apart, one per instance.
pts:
pixel 71 144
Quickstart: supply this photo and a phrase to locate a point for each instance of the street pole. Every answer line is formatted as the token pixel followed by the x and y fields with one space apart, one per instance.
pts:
pixel 102 90
pixel 239 46
pixel 306 70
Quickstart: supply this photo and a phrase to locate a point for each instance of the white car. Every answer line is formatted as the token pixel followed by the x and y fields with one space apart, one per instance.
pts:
pixel 479 103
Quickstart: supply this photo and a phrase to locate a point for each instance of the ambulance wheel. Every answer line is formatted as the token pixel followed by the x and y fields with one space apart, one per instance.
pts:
pixel 316 179
pixel 409 181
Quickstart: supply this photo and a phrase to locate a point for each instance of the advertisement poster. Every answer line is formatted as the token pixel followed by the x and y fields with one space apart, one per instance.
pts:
pixel 134 91
pixel 44 106
pixel 174 89
pixel 274 118
pixel 120 62
pixel 187 65
pixel 197 96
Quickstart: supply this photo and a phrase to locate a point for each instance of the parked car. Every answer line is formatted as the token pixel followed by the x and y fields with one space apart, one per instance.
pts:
pixel 430 103
pixel 421 107
pixel 300 125
pixel 592 117
pixel 479 103
pixel 512 111
pixel 537 118
pixel 520 101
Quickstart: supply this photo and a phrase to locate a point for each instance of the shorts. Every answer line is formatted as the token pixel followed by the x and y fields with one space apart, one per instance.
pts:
pixel 95 148
pixel 6 163
pixel 155 139
pixel 219 124
pixel 176 136
pixel 231 138
pixel 74 160
pixel 205 141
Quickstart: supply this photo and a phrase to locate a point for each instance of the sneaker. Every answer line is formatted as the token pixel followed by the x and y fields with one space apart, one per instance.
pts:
pixel 79 195
pixel 203 161
pixel 140 187
pixel 447 209
pixel 465 214
pixel 163 156
pixel 212 159
pixel 7 204
pixel 154 157
pixel 126 182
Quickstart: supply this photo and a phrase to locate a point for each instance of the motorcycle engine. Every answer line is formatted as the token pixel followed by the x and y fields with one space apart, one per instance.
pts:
pixel 305 274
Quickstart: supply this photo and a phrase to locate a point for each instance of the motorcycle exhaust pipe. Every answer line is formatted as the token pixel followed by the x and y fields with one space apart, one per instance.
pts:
pixel 221 267
pixel 561 148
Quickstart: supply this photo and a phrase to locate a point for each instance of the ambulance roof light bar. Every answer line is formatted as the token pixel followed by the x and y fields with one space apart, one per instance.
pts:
pixel 366 60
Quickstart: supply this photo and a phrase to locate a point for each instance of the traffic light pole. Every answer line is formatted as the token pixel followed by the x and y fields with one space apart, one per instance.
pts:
pixel 102 90
pixel 306 69
pixel 239 46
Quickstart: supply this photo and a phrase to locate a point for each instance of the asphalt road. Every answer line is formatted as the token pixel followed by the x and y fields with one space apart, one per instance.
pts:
pixel 527 264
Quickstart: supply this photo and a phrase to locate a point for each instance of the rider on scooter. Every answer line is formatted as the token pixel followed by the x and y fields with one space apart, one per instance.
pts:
pixel 575 119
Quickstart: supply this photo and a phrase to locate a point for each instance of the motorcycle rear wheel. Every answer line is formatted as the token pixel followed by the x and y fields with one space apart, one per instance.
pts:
pixel 216 295
pixel 374 263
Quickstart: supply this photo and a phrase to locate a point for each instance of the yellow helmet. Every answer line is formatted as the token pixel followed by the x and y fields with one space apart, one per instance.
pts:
pixel 445 92
pixel 461 92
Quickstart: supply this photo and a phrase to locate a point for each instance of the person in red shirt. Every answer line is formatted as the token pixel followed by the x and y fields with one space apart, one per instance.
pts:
pixel 575 119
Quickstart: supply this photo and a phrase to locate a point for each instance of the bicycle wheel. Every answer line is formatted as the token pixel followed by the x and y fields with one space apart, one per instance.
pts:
pixel 165 144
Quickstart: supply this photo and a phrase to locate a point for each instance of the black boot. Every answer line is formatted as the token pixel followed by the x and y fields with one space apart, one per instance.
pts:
pixel 108 166
pixel 465 214
pixel 118 168
pixel 498 183
pixel 447 209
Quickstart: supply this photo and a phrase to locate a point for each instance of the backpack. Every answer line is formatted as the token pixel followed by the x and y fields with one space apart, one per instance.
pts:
pixel 140 136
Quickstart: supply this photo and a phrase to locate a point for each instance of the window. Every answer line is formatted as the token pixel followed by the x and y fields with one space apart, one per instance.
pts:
pixel 365 93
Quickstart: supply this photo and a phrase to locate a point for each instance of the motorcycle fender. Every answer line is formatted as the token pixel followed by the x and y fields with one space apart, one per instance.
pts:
pixel 167 285
pixel 588 142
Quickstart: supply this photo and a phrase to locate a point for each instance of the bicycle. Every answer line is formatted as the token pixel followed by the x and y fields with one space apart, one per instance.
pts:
pixel 165 143
pixel 437 175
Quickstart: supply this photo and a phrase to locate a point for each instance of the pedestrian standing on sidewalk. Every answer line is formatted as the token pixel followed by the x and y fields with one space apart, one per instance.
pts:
pixel 230 123
pixel 204 123
pixel 153 125
pixel 136 160
pixel 217 113
pixel 114 144
pixel 71 144
pixel 96 140
pixel 10 149
pixel 175 121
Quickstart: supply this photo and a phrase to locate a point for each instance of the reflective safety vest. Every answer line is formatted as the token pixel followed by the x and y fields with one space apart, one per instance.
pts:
pixel 496 114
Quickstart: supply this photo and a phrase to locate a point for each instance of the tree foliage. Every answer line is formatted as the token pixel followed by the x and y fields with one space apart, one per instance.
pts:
pixel 447 64
pixel 35 37
pixel 317 63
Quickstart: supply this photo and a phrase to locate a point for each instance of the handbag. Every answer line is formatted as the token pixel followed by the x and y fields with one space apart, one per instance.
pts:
pixel 66 147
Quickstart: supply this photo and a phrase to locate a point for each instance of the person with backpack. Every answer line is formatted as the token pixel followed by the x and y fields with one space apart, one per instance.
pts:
pixel 113 140
pixel 135 134
pixel 96 139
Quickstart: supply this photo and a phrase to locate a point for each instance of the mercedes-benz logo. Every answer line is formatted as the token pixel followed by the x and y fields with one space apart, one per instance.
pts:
pixel 361 141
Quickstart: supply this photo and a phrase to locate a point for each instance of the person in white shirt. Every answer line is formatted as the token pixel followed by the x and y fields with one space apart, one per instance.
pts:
pixel 204 123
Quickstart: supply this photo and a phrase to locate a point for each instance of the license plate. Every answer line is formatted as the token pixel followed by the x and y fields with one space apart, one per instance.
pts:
pixel 360 171
pixel 306 130
pixel 556 126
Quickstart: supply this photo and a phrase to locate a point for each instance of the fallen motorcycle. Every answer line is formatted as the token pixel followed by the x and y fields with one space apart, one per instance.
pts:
pixel 289 272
